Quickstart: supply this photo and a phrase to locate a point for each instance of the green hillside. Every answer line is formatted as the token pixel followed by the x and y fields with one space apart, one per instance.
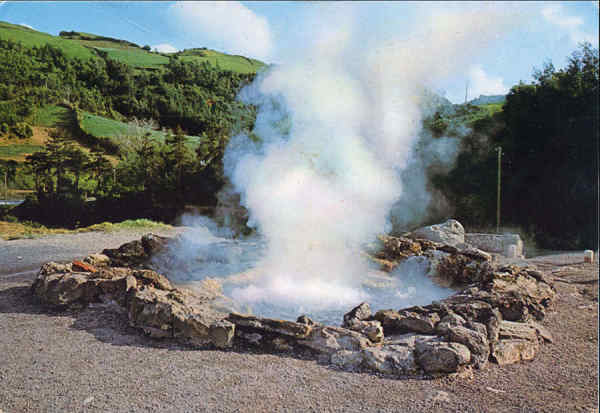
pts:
pixel 33 38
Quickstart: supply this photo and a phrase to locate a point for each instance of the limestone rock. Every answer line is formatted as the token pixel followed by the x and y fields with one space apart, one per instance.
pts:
pixel 269 325
pixel 476 341
pixel 329 340
pixel 347 360
pixel 514 350
pixel 97 260
pixel 450 232
pixel 437 356
pixel 360 313
pixel 221 333
pixel 514 330
pixel 371 329
pixel 451 319
pixel 391 359
pixel 407 321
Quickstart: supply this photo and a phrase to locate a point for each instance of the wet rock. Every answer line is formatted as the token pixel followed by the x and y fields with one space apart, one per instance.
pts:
pixel 371 329
pixel 221 333
pixel 360 312
pixel 397 248
pixel 450 232
pixel 514 350
pixel 305 320
pixel 347 360
pixel 391 359
pixel 153 244
pixel 128 254
pixel 269 325
pixel 329 340
pixel 438 356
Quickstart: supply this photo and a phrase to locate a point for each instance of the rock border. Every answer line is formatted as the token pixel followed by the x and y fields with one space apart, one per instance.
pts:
pixel 493 317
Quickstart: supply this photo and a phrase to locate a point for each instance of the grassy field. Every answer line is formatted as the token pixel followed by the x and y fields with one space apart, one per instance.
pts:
pixel 103 127
pixel 135 57
pixel 51 116
pixel 17 230
pixel 239 64
pixel 31 38
pixel 17 151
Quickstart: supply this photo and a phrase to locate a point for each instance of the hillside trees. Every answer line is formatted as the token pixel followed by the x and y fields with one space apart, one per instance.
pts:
pixel 548 131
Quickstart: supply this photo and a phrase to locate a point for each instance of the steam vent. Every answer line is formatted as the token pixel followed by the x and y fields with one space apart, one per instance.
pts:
pixel 492 317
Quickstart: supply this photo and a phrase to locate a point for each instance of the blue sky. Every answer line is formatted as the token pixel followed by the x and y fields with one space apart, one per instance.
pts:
pixel 277 31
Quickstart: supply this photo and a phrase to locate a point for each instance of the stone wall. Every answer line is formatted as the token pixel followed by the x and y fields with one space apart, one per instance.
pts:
pixel 499 244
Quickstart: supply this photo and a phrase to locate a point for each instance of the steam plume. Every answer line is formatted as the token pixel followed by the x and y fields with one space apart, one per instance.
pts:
pixel 338 126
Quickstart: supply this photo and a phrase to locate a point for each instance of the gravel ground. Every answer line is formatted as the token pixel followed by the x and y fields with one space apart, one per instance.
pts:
pixel 91 361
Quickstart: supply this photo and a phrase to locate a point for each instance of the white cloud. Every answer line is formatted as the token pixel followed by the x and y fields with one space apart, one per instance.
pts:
pixel 229 25
pixel 556 15
pixel 165 48
pixel 480 83
pixel 25 25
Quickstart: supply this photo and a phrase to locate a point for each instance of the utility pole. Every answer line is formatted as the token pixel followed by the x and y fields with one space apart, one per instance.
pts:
pixel 466 91
pixel 499 149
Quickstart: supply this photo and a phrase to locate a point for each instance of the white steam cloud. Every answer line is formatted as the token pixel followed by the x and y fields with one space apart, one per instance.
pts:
pixel 339 126
pixel 230 25
pixel 481 83
pixel 165 48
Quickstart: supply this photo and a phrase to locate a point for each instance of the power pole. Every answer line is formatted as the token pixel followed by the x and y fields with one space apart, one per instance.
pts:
pixel 499 149
pixel 466 91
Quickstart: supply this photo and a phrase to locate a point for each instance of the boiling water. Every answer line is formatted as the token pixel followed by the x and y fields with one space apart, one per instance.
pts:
pixel 236 265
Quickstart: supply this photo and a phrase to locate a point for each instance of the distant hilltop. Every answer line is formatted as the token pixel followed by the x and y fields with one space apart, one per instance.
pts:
pixel 488 99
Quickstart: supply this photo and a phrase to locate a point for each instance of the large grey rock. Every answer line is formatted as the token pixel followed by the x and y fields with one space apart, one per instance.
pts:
pixel 450 232
pixel 476 341
pixel 270 325
pixel 360 312
pixel 496 243
pixel 407 321
pixel 371 329
pixel 438 356
pixel 221 333
pixel 391 359
pixel 329 340
pixel 347 360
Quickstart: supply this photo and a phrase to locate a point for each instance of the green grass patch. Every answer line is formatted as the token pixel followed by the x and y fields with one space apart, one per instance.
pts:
pixel 31 38
pixel 51 116
pixel 135 57
pixel 12 150
pixel 102 127
pixel 234 63
pixel 141 223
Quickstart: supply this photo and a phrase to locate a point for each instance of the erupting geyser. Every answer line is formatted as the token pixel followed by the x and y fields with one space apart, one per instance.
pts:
pixel 337 128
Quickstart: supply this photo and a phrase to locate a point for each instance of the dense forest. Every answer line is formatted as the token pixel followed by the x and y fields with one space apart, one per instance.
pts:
pixel 548 132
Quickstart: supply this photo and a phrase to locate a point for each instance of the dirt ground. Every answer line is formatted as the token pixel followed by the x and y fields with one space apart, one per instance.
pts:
pixel 92 361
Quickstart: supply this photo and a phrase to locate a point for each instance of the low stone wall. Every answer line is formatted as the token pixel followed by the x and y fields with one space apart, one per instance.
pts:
pixel 492 318
pixel 509 245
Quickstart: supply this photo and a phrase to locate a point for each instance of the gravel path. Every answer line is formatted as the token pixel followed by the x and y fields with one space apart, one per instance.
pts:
pixel 29 254
pixel 91 361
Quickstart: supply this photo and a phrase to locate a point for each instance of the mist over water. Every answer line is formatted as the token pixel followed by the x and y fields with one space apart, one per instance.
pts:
pixel 338 127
